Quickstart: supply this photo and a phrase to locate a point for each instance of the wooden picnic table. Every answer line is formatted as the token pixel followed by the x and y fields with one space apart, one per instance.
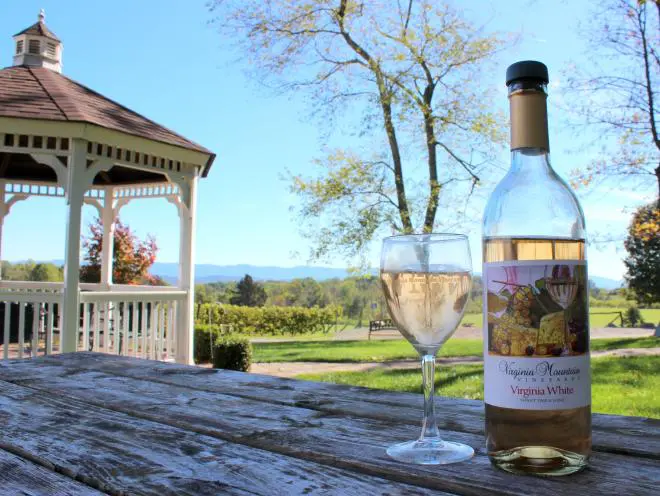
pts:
pixel 87 423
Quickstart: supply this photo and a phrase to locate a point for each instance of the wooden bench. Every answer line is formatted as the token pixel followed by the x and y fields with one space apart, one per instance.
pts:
pixel 380 325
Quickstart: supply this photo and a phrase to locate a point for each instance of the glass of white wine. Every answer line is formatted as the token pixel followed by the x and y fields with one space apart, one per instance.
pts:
pixel 426 281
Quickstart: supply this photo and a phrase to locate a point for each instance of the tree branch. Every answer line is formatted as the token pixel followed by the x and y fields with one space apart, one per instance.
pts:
pixel 386 107
pixel 466 165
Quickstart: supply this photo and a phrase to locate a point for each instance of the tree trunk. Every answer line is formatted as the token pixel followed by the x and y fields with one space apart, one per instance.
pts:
pixel 657 176
pixel 434 187
pixel 384 95
pixel 404 212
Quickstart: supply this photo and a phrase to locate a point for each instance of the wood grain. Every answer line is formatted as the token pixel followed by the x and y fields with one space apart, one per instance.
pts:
pixel 345 441
pixel 121 454
pixel 22 477
pixel 636 436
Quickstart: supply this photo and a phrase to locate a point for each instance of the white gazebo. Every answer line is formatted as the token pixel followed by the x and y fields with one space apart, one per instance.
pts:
pixel 59 138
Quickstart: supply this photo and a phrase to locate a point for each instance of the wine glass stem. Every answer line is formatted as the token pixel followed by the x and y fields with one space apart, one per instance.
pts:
pixel 429 427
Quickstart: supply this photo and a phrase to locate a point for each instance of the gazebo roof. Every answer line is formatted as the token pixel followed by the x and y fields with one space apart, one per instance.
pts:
pixel 39 29
pixel 39 93
pixel 42 111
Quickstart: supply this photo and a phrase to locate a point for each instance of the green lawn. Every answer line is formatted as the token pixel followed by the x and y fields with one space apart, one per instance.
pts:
pixel 637 379
pixel 381 351
pixel 354 351
pixel 619 343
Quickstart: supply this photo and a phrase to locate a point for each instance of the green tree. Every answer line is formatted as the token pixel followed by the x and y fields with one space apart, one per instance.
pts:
pixel 305 292
pixel 643 261
pixel 132 257
pixel 18 271
pixel 618 97
pixel 412 68
pixel 203 294
pixel 248 293
pixel 46 272
pixel 32 271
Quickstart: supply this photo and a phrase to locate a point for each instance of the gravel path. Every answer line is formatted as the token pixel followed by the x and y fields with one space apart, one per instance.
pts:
pixel 292 369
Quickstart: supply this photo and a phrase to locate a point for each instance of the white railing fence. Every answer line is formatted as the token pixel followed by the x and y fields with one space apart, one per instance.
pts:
pixel 30 287
pixel 31 323
pixel 134 323
pixel 131 322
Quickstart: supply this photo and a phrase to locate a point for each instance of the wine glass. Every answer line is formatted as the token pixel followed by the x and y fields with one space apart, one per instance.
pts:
pixel 426 280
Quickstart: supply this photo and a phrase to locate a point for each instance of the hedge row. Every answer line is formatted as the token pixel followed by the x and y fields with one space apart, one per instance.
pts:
pixel 268 321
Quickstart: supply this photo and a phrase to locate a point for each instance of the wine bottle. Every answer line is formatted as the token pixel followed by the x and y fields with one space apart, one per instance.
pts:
pixel 537 385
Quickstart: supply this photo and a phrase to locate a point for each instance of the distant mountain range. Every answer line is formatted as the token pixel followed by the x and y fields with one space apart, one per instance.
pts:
pixel 205 273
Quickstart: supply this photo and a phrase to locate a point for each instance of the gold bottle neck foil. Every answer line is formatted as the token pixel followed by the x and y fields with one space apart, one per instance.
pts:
pixel 529 119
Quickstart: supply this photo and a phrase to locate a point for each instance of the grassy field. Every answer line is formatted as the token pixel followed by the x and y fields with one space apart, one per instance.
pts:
pixel 637 379
pixel 381 351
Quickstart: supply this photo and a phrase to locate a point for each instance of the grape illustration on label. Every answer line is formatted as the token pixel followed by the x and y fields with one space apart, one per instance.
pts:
pixel 537 310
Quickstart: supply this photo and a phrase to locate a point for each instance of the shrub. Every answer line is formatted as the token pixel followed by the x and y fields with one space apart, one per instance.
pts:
pixel 232 353
pixel 633 316
pixel 205 335
pixel 271 320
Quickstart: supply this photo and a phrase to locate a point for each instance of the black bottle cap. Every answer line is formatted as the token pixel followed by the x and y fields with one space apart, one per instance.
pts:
pixel 527 69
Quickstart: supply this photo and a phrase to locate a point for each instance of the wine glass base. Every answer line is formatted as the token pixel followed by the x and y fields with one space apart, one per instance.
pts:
pixel 430 452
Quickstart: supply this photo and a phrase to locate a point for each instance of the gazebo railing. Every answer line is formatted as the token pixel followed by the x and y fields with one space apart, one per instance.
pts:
pixel 31 322
pixel 31 286
pixel 127 320
pixel 131 323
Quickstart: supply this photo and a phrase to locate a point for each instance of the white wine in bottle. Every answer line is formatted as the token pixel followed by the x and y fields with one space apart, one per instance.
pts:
pixel 537 385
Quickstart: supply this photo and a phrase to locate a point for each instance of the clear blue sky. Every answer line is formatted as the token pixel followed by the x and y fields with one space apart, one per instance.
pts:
pixel 162 59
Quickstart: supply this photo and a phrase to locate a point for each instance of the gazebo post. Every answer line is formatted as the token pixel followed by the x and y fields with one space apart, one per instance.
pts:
pixel 185 321
pixel 75 193
pixel 108 221
pixel 3 213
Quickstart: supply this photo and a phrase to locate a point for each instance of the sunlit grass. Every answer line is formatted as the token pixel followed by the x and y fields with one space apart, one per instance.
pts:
pixel 381 351
pixel 620 385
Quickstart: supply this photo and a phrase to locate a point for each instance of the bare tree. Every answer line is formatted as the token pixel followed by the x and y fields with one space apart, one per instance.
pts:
pixel 411 69
pixel 619 98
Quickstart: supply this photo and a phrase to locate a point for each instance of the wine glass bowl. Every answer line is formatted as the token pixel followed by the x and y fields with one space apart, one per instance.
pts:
pixel 562 292
pixel 426 282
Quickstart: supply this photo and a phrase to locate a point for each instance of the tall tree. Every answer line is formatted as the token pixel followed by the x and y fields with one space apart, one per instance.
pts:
pixel 132 257
pixel 248 293
pixel 643 261
pixel 46 272
pixel 618 97
pixel 305 293
pixel 413 69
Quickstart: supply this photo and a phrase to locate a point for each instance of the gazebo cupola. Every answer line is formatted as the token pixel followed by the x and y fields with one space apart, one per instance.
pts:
pixel 59 138
pixel 37 46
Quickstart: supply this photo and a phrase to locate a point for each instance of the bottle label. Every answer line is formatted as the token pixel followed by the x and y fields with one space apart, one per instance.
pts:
pixel 536 335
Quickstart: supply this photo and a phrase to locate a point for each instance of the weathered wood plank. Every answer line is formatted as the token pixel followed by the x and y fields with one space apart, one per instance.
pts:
pixel 355 443
pixel 121 454
pixel 636 436
pixel 20 476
